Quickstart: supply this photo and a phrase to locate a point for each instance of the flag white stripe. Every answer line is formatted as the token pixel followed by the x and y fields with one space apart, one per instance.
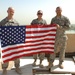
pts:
pixel 41 34
pixel 35 29
pixel 26 48
pixel 40 42
pixel 33 51
pixel 33 42
pixel 33 39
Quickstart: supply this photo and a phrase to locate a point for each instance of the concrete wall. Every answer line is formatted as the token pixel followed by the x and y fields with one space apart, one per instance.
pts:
pixel 70 43
pixel 70 48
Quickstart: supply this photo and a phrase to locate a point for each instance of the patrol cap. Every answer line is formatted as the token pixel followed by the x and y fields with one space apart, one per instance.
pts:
pixel 40 11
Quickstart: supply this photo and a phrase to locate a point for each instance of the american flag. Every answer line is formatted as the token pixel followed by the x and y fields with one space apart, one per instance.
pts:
pixel 19 41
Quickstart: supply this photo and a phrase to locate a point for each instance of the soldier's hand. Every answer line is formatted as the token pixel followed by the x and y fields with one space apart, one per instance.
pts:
pixel 58 26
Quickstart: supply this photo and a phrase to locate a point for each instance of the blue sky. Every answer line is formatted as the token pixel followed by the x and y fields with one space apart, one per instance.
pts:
pixel 25 10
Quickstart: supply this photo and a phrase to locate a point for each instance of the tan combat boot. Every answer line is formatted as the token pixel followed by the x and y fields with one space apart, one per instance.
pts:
pixel 40 65
pixel 50 64
pixel 34 63
pixel 4 72
pixel 18 70
pixel 61 65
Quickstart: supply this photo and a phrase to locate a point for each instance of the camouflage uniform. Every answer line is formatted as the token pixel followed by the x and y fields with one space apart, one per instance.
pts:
pixel 39 22
pixel 61 37
pixel 12 22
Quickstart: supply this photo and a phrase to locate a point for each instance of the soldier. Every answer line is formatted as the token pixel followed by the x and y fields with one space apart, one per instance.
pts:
pixel 61 38
pixel 39 21
pixel 10 21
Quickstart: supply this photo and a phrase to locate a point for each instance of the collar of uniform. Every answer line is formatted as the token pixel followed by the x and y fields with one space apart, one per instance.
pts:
pixel 59 17
pixel 11 20
pixel 39 20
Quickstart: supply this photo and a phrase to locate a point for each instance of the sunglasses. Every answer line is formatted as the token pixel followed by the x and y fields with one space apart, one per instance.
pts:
pixel 39 13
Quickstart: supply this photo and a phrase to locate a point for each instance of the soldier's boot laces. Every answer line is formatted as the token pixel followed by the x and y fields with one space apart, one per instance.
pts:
pixel 61 65
pixel 4 72
pixel 18 70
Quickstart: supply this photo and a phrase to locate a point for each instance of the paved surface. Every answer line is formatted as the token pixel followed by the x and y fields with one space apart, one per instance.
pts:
pixel 53 74
pixel 69 66
pixel 26 67
pixel 74 58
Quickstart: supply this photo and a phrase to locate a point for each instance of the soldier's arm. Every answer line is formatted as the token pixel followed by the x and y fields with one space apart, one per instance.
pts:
pixel 51 21
pixel 67 24
pixel 3 22
pixel 45 22
pixel 32 23
pixel 16 23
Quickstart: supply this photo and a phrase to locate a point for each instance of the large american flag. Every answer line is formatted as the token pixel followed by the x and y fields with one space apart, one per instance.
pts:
pixel 18 41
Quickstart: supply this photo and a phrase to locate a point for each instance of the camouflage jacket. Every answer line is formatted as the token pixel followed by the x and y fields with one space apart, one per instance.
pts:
pixel 11 22
pixel 41 22
pixel 64 24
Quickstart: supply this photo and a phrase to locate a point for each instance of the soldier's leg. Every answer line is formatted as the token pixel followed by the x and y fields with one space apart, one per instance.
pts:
pixel 4 67
pixel 35 59
pixel 17 66
pixel 50 60
pixel 48 57
pixel 53 55
pixel 41 57
pixel 62 51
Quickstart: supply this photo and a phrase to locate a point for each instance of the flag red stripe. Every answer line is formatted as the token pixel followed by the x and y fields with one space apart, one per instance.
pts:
pixel 29 54
pixel 40 26
pixel 34 41
pixel 43 31
pixel 17 47
pixel 7 55
pixel 49 39
pixel 40 36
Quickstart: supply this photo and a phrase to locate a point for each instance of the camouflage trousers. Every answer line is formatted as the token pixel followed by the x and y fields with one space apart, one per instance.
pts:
pixel 61 44
pixel 40 55
pixel 16 64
